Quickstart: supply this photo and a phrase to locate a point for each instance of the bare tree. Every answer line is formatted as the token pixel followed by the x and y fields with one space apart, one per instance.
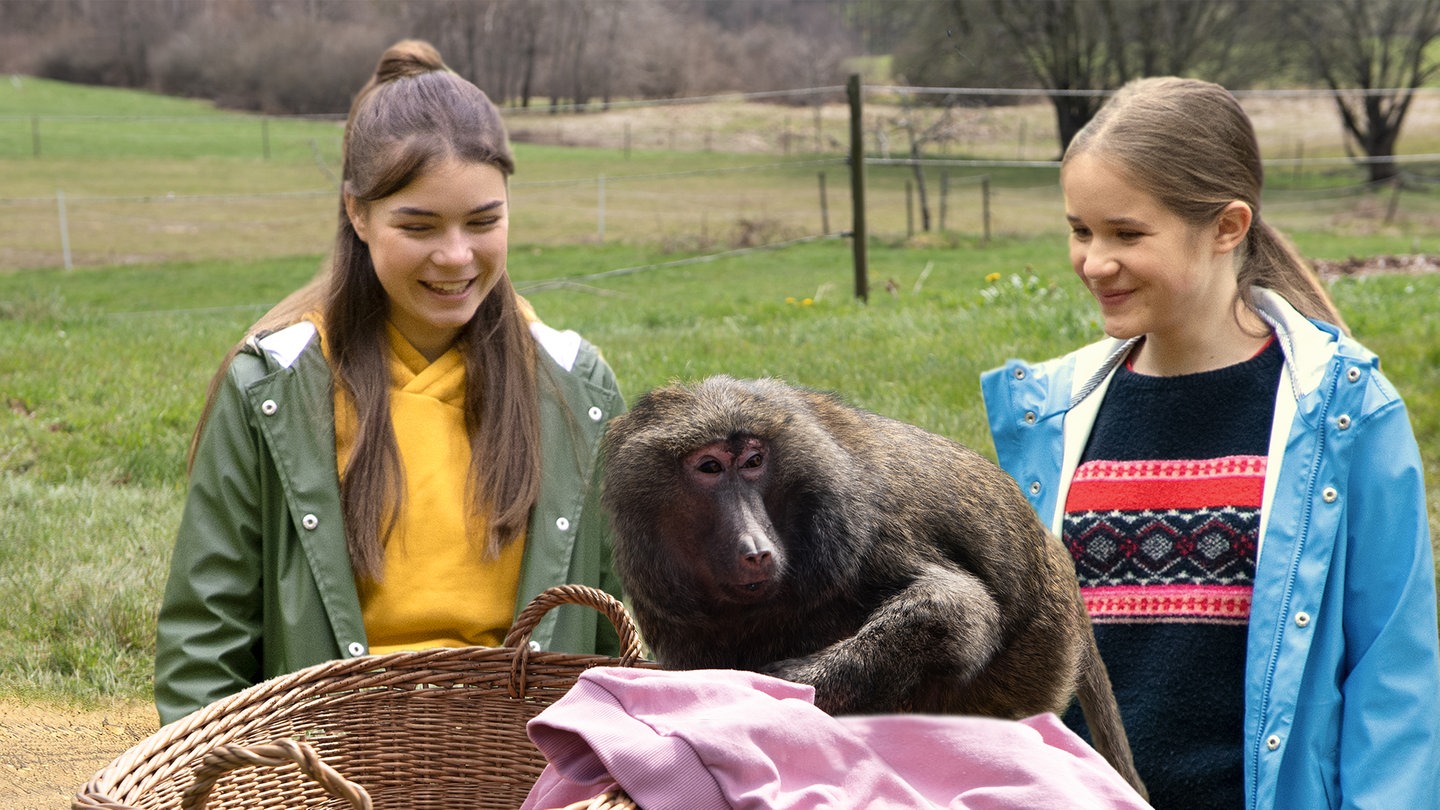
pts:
pixel 568 36
pixel 880 25
pixel 1373 55
pixel 956 43
pixel 676 50
pixel 1079 49
pixel 107 43
pixel 1063 42
pixel 242 52
pixel 528 23
pixel 23 26
pixel 1171 38
pixel 453 28
pixel 921 133
pixel 495 43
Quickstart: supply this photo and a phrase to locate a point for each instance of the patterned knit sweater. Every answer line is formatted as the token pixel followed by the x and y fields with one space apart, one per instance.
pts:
pixel 1162 519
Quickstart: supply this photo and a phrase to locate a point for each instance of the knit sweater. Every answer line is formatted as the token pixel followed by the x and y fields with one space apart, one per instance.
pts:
pixel 1162 519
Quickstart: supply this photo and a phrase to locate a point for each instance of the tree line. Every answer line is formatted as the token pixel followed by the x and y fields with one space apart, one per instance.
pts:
pixel 1373 55
pixel 309 56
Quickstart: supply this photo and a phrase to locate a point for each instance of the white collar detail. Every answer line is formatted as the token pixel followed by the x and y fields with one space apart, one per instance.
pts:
pixel 286 344
pixel 563 346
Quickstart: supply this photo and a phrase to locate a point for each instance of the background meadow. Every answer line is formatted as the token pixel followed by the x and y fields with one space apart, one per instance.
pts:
pixel 102 367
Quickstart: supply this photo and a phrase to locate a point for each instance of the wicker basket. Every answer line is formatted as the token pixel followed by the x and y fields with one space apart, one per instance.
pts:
pixel 427 729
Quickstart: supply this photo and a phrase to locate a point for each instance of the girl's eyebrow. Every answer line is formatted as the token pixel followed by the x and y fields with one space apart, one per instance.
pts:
pixel 1112 221
pixel 423 212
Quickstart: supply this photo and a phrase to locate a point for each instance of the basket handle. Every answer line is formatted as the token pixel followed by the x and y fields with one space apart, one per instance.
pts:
pixel 585 595
pixel 225 758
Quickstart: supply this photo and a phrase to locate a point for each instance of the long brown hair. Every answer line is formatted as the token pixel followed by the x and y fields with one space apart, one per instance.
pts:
pixel 415 112
pixel 1189 144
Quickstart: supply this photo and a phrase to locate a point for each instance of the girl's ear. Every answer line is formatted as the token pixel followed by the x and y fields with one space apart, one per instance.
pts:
pixel 1232 225
pixel 355 211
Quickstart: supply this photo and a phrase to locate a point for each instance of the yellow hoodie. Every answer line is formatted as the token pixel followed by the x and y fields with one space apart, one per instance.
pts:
pixel 437 589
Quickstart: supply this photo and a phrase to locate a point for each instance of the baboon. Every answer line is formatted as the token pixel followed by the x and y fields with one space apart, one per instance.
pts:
pixel 767 527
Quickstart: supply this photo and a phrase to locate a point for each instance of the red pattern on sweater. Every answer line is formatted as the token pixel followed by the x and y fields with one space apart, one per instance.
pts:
pixel 1166 541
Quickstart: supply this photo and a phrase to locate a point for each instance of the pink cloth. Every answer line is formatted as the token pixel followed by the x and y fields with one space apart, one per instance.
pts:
pixel 699 739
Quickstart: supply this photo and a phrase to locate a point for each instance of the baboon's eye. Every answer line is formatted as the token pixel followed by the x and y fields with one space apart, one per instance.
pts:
pixel 710 467
pixel 755 460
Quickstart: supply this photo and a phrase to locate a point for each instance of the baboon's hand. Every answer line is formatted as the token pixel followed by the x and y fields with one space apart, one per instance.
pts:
pixel 845 681
pixel 944 624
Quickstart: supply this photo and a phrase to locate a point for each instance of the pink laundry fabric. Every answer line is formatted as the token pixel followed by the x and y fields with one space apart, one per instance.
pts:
pixel 700 739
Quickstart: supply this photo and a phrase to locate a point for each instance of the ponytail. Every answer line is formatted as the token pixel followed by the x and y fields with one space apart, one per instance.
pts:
pixel 408 57
pixel 1271 261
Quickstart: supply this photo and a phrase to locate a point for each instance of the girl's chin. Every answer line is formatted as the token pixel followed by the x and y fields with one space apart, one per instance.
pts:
pixel 1121 330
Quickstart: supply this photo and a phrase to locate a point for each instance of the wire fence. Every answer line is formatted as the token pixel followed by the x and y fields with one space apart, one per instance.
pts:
pixel 694 175
pixel 691 211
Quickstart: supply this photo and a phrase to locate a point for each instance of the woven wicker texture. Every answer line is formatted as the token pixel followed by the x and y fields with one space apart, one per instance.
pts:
pixel 427 729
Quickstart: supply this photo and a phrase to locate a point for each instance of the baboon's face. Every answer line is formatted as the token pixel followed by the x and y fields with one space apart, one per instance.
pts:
pixel 715 533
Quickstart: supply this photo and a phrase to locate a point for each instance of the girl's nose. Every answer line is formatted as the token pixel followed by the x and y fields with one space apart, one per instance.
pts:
pixel 1099 263
pixel 454 250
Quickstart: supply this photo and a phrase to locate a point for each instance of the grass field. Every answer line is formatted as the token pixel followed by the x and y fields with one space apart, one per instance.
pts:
pixel 102 368
pixel 145 179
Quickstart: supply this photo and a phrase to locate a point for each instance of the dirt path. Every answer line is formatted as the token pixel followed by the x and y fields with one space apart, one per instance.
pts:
pixel 47 753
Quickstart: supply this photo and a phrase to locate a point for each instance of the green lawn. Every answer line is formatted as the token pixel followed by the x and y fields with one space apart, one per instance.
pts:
pixel 102 368
pixel 103 372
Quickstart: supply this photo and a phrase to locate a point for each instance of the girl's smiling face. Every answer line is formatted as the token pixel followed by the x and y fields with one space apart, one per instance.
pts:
pixel 438 246
pixel 1152 272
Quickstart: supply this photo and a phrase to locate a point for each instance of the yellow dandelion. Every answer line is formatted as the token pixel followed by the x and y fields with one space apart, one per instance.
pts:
pixel 807 302
pixel 789 299
pixel 993 277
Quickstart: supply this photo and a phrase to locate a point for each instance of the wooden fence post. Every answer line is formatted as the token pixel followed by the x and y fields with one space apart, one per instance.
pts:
pixel 600 209
pixel 824 207
pixel 1396 184
pixel 944 195
pixel 64 229
pixel 909 210
pixel 985 205
pixel 857 189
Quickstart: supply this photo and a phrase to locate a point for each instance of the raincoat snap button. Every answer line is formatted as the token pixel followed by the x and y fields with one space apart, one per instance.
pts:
pixel 1343 421
pixel 1329 494
pixel 310 522
pixel 1034 487
pixel 563 524
pixel 596 414
pixel 1029 417
pixel 268 407
pixel 1019 373
pixel 1302 619
pixel 1272 742
pixel 535 646
pixel 1353 374
pixel 355 648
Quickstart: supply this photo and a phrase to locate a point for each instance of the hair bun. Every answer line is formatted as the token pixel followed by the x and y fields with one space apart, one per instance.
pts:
pixel 409 57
